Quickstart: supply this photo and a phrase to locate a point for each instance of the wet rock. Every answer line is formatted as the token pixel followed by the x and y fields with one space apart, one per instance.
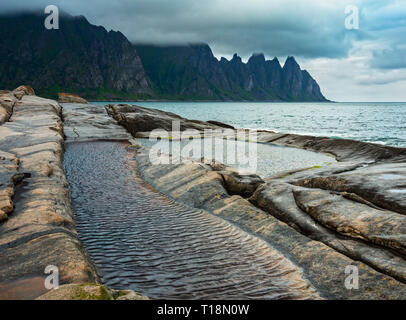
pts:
pixel 243 185
pixel 71 98
pixel 343 149
pixel 214 165
pixel 3 216
pixel 138 119
pixel 354 219
pixel 27 90
pixel 127 295
pixel 6 206
pixel 78 292
pixel 277 198
pixel 41 229
pixel 7 101
pixel 382 184
pixel 8 179
pixel 220 124
pixel 322 264
pixel 349 211
pixel 83 122
pixel 89 291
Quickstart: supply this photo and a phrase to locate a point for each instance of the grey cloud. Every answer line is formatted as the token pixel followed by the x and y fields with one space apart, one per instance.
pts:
pixel 390 59
pixel 385 22
pixel 289 27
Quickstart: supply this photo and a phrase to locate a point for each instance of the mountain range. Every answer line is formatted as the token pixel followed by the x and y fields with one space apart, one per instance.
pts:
pixel 98 64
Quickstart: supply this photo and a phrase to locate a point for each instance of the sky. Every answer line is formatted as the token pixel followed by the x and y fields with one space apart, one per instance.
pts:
pixel 366 63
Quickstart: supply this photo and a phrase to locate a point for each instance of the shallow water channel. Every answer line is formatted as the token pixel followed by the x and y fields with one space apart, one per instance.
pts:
pixel 140 239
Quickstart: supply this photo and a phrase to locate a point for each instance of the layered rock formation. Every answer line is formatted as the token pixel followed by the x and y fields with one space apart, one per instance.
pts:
pixel 84 122
pixel 192 72
pixel 40 229
pixel 9 98
pixel 78 57
pixel 323 218
pixel 138 120
pixel 70 98
pixel 37 227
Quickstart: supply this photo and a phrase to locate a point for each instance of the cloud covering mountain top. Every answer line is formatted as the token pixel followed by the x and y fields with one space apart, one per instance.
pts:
pixel 312 31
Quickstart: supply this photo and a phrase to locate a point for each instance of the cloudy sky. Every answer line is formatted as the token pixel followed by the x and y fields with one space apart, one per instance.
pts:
pixel 364 64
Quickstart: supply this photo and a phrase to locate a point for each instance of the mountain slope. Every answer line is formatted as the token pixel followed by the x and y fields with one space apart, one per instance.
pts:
pixel 79 57
pixel 192 72
pixel 96 64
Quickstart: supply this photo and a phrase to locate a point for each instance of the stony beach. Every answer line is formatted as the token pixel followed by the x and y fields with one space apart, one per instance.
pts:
pixel 315 220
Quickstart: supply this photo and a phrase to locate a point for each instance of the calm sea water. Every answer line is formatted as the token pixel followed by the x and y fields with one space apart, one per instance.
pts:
pixel 383 123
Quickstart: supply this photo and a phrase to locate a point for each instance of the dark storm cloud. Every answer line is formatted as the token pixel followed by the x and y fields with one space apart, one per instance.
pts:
pixel 308 29
pixel 289 27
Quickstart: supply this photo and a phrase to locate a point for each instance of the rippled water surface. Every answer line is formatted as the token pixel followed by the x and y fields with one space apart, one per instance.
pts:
pixel 383 123
pixel 142 240
pixel 263 159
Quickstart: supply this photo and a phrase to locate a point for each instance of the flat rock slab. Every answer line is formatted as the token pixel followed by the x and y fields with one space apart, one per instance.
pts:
pixel 139 119
pixel 84 122
pixel 40 230
pixel 343 149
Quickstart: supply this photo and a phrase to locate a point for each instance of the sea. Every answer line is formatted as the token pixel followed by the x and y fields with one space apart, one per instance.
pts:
pixel 381 123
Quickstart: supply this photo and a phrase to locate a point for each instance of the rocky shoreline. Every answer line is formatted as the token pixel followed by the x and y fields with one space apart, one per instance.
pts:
pixel 322 219
pixel 37 224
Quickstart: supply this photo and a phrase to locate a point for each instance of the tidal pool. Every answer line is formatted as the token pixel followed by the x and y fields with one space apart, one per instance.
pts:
pixel 263 159
pixel 140 239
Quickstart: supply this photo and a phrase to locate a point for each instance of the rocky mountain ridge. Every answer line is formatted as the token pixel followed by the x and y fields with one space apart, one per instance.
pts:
pixel 78 57
pixel 103 65
pixel 193 72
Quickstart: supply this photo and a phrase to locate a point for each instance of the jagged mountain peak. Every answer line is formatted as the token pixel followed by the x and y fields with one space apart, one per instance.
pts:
pixel 291 63
pixel 78 57
pixel 90 61
pixel 236 58
pixel 211 79
pixel 257 58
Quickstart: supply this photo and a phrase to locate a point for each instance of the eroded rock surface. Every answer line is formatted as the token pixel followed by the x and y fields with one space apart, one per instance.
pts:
pixel 89 291
pixel 323 217
pixel 321 254
pixel 8 100
pixel 139 119
pixel 243 185
pixel 162 248
pixel 84 122
pixel 70 98
pixel 40 229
